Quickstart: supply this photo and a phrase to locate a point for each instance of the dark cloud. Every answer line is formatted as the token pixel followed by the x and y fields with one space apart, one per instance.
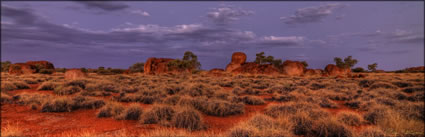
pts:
pixel 227 14
pixel 311 14
pixel 104 5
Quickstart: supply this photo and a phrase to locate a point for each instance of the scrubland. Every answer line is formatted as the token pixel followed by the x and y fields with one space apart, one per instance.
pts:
pixel 381 104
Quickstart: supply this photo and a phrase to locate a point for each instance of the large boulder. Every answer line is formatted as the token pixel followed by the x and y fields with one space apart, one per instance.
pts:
pixel 313 72
pixel 43 64
pixel 254 68
pixel 293 68
pixel 333 70
pixel 238 58
pixel 22 68
pixel 156 65
pixel 73 74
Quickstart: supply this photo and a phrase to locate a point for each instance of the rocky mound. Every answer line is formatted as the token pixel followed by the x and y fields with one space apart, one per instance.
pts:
pixel 42 64
pixel 293 68
pixel 416 69
pixel 22 68
pixel 73 74
pixel 254 68
pixel 313 72
pixel 238 58
pixel 333 70
pixel 216 72
pixel 156 65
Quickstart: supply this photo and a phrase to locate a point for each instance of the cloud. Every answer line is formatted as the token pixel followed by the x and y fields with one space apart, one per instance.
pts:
pixel 104 5
pixel 140 12
pixel 226 15
pixel 282 41
pixel 311 14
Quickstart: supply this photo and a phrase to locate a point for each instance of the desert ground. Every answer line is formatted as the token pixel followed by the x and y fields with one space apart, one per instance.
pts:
pixel 380 104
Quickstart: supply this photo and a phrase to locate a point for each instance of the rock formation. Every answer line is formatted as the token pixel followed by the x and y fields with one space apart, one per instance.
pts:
pixel 73 74
pixel 313 72
pixel 293 68
pixel 254 68
pixel 216 72
pixel 156 65
pixel 22 68
pixel 43 64
pixel 238 58
pixel 333 70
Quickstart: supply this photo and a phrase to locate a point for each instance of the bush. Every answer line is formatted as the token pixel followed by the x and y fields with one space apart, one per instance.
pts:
pixel 62 104
pixel 253 100
pixel 376 114
pixel 350 118
pixel 330 128
pixel 413 89
pixel 81 102
pixel 302 124
pixel 372 132
pixel 7 86
pixel 188 119
pixel 316 86
pixel 326 103
pixel 21 85
pixel 46 71
pixel 222 108
pixel 110 109
pixel 80 83
pixel 48 85
pixel 358 69
pixel 241 132
pixel 381 85
pixel 133 112
pixel 157 114
pixel 30 81
pixel 66 90
pixel 137 67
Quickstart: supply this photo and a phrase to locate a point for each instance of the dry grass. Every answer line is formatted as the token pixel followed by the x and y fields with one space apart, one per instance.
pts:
pixel 12 130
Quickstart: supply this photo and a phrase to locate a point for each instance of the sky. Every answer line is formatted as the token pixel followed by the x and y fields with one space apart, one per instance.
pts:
pixel 90 34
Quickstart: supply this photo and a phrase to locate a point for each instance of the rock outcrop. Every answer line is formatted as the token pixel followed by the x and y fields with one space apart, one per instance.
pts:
pixel 254 68
pixel 73 74
pixel 333 70
pixel 238 58
pixel 156 65
pixel 313 72
pixel 22 68
pixel 43 64
pixel 416 69
pixel 293 68
pixel 30 67
pixel 216 72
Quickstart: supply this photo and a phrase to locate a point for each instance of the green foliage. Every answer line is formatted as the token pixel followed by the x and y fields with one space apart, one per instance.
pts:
pixel 372 67
pixel 46 71
pixel 189 61
pixel 5 66
pixel 261 59
pixel 62 70
pixel 137 67
pixel 347 63
pixel 358 69
pixel 305 64
pixel 84 70
pixel 101 68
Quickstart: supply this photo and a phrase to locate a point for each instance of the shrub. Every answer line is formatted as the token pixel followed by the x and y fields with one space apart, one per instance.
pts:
pixel 81 102
pixel 30 81
pixel 66 90
pixel 157 114
pixel 46 71
pixel 47 85
pixel 253 100
pixel 94 93
pixel 110 109
pixel 222 108
pixel 7 86
pixel 371 132
pixel 402 84
pixel 133 112
pixel 241 132
pixel 382 85
pixel 366 83
pixel 188 119
pixel 330 128
pixel 376 114
pixel 287 109
pixel 358 69
pixel 137 67
pixel 21 85
pixel 316 86
pixel 326 103
pixel 302 123
pixel 349 118
pixel 413 89
pixel 353 104
pixel 62 104
pixel 80 83
pixel 347 63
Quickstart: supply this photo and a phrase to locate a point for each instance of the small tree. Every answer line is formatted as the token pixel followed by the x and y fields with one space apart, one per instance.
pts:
pixel 189 61
pixel 101 68
pixel 305 64
pixel 372 67
pixel 348 62
pixel 137 67
pixel 261 59
pixel 5 66
pixel 84 70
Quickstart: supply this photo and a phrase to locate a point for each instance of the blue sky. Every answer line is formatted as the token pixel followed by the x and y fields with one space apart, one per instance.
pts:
pixel 119 34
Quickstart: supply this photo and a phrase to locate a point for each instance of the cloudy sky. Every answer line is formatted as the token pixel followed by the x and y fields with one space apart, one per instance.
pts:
pixel 118 34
